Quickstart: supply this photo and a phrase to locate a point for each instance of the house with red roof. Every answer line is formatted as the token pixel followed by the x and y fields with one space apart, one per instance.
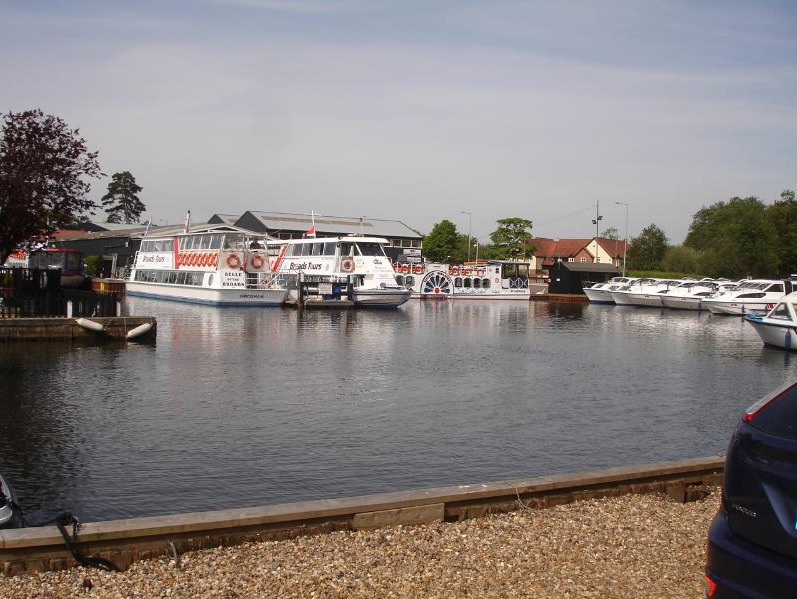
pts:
pixel 548 252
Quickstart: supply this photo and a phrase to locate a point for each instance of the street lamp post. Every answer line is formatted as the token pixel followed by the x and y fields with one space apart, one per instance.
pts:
pixel 625 241
pixel 470 223
pixel 596 221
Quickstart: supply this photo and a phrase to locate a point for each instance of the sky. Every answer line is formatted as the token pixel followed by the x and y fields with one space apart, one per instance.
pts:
pixel 421 111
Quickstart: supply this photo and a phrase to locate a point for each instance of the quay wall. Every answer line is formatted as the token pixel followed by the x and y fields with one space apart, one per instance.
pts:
pixel 126 541
pixel 67 329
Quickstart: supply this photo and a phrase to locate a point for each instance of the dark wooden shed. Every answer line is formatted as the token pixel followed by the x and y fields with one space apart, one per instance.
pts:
pixel 570 277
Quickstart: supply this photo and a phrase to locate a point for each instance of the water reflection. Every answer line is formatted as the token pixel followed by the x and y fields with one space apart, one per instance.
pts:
pixel 238 407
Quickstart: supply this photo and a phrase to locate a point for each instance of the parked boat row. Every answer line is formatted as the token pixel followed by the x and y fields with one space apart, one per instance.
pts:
pixel 720 296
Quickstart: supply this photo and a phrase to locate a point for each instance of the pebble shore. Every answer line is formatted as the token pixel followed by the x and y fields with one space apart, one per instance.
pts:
pixel 628 546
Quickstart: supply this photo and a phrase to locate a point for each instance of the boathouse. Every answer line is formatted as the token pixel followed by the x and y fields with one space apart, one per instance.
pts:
pixel 570 277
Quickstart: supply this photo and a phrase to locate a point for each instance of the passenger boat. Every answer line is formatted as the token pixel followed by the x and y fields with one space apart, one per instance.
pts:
pixel 9 512
pixel 219 268
pixel 752 296
pixel 350 266
pixel 69 262
pixel 778 327
pixel 601 293
pixel 491 279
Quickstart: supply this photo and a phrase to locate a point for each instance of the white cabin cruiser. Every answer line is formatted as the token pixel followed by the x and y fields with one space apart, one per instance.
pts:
pixel 220 268
pixel 650 295
pixel 752 296
pixel 601 293
pixel 622 295
pixel 354 266
pixel 689 295
pixel 778 327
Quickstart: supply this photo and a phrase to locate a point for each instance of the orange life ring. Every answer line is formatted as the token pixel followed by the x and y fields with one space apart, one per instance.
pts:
pixel 233 261
pixel 203 258
pixel 453 270
pixel 417 270
pixel 257 262
pixel 347 265
pixel 214 260
pixel 497 280
pixel 404 268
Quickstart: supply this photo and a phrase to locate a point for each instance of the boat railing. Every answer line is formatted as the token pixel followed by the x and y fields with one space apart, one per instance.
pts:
pixel 518 283
pixel 268 280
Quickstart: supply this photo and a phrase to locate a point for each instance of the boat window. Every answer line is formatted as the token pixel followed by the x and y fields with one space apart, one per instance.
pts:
pixel 409 281
pixel 233 241
pixel 458 282
pixel 485 283
pixel 215 241
pixel 205 242
pixel 346 249
pixel 509 271
pixel 749 295
pixel 329 248
pixel 523 270
pixel 370 249
pixel 776 287
pixel 400 279
pixel 467 282
pixel 477 283
pixel 781 312
pixel 318 249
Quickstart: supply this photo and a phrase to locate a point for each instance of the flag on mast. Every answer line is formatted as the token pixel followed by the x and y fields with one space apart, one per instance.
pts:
pixel 311 231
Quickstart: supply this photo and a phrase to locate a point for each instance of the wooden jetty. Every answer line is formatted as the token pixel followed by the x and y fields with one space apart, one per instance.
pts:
pixel 87 329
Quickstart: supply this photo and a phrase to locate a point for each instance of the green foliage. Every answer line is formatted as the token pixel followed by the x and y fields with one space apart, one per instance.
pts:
pixel 783 217
pixel 442 243
pixel 646 252
pixel 44 167
pixel 680 258
pixel 660 274
pixel 511 240
pixel 611 233
pixel 92 264
pixel 121 202
pixel 736 238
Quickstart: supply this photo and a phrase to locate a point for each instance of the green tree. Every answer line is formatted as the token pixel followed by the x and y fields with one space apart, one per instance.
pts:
pixel 611 233
pixel 647 251
pixel 783 217
pixel 121 202
pixel 735 238
pixel 681 258
pixel 442 243
pixel 511 240
pixel 43 170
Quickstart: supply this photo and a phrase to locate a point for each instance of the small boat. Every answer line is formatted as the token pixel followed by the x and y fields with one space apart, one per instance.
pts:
pixel 488 279
pixel 69 262
pixel 215 267
pixel 690 295
pixel 353 266
pixel 752 296
pixel 625 295
pixel 601 293
pixel 778 328
pixel 9 512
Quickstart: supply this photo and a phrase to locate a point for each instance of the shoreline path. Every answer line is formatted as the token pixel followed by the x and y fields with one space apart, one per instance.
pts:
pixel 628 546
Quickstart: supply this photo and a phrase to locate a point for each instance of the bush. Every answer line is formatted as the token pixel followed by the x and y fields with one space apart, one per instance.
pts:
pixel 92 264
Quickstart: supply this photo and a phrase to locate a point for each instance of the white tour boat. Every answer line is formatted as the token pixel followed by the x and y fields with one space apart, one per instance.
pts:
pixel 491 279
pixel 353 266
pixel 213 267
pixel 754 295
pixel 601 293
pixel 778 327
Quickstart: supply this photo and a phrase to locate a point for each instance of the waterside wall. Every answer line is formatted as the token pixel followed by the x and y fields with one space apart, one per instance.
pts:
pixel 68 329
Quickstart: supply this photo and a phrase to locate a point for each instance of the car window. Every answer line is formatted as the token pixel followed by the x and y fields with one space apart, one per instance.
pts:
pixel 779 417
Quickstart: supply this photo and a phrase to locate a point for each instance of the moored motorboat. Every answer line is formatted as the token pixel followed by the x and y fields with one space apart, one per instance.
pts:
pixel 349 266
pixel 216 267
pixel 752 296
pixel 778 328
pixel 622 296
pixel 690 295
pixel 601 293
pixel 10 516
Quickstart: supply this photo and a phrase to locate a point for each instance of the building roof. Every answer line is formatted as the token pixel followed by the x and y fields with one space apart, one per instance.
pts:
pixel 224 218
pixel 559 248
pixel 273 222
pixel 614 247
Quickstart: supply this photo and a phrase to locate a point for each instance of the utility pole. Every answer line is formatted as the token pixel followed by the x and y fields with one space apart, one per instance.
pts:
pixel 625 241
pixel 470 223
pixel 595 221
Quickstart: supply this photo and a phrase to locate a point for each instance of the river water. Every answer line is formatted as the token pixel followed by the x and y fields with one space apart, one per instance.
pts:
pixel 241 407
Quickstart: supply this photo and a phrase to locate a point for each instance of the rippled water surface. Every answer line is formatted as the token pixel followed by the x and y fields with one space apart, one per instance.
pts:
pixel 240 407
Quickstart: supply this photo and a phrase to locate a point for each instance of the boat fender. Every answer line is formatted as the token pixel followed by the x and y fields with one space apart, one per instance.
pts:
pixel 89 325
pixel 139 330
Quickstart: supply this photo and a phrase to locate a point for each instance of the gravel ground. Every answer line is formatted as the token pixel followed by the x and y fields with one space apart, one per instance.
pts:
pixel 629 546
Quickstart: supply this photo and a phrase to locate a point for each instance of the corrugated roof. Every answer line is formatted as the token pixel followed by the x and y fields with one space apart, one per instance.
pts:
pixel 224 218
pixel 329 225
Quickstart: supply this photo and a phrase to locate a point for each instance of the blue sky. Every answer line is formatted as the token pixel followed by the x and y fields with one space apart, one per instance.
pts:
pixel 421 110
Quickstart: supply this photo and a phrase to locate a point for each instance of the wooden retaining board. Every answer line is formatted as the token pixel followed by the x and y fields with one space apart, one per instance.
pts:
pixel 129 540
pixel 66 329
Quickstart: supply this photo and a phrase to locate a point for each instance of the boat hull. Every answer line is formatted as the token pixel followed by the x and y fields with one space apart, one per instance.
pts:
pixel 210 297
pixel 682 303
pixel 737 308
pixel 782 335
pixel 648 300
pixel 380 298
pixel 599 296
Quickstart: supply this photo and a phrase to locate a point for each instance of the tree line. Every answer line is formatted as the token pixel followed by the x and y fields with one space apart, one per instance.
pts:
pixel 46 170
pixel 510 240
pixel 737 238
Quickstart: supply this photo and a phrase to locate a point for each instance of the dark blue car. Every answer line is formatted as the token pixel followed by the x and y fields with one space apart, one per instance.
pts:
pixel 752 542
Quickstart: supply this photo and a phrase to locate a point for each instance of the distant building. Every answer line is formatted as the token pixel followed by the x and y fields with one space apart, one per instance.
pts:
pixel 570 277
pixel 597 250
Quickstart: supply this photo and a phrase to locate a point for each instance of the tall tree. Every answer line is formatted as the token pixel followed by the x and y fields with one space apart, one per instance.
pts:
pixel 647 251
pixel 442 243
pixel 121 202
pixel 43 170
pixel 783 217
pixel 512 238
